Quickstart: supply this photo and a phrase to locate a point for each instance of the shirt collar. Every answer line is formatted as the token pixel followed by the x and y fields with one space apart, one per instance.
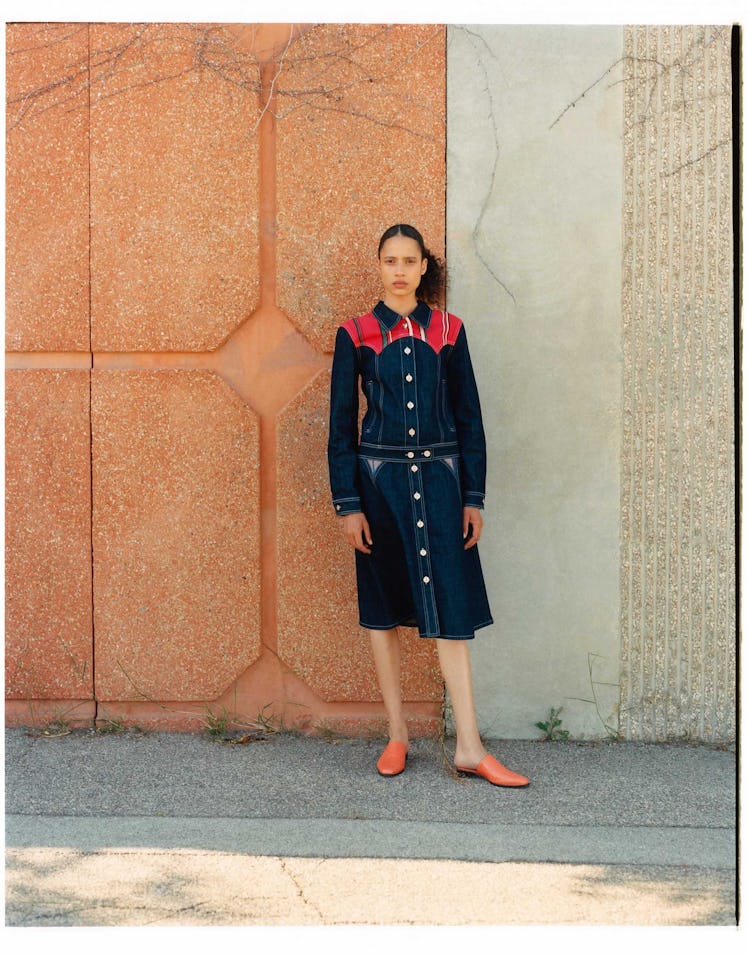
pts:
pixel 389 318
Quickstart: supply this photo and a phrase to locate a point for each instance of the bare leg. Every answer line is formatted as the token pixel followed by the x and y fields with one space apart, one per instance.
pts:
pixel 454 659
pixel 385 647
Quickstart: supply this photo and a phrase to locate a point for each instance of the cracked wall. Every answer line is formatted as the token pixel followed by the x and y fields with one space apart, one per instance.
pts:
pixel 590 246
pixel 534 247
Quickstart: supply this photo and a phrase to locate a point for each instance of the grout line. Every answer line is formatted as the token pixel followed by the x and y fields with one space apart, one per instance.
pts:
pixel 109 360
pixel 268 434
pixel 89 358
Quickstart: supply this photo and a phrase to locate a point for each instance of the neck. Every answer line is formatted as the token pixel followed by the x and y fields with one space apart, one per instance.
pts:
pixel 403 305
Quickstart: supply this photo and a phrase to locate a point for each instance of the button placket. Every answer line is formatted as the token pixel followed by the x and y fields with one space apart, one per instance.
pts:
pixel 409 369
pixel 415 483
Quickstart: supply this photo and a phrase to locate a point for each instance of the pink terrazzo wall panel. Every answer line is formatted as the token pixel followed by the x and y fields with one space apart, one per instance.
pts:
pixel 361 145
pixel 46 209
pixel 318 632
pixel 175 535
pixel 240 175
pixel 174 195
pixel 48 636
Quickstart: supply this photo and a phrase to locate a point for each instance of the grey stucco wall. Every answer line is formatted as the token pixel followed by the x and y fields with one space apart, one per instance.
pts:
pixel 534 213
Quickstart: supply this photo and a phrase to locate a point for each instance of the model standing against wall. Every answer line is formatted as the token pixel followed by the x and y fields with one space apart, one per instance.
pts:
pixel 409 490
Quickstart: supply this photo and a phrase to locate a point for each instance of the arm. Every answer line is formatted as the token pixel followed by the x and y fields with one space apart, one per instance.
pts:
pixel 343 443
pixel 343 438
pixel 463 392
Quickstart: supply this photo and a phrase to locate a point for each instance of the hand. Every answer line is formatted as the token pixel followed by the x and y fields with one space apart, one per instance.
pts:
pixel 356 531
pixel 471 518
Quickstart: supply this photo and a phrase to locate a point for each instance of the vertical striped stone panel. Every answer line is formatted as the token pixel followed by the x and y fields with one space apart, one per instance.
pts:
pixel 677 507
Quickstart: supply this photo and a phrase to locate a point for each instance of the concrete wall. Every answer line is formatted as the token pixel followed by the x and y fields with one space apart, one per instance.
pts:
pixel 534 210
pixel 590 250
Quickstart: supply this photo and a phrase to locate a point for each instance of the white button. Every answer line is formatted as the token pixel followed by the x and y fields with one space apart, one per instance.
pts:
pixel 417 496
pixel 411 432
pixel 407 350
pixel 426 579
pixel 408 377
pixel 405 325
pixel 338 507
pixel 411 454
pixel 423 552
pixel 411 405
pixel 419 523
pixel 427 454
pixel 414 467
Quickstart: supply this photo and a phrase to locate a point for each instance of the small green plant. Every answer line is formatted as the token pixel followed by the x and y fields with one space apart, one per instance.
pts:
pixel 217 724
pixel 57 727
pixel 269 723
pixel 326 733
pixel 552 727
pixel 612 732
pixel 110 725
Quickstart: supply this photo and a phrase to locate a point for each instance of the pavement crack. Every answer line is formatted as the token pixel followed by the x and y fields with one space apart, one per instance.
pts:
pixel 300 889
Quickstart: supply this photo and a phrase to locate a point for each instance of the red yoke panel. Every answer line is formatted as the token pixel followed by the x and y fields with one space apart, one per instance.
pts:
pixel 366 330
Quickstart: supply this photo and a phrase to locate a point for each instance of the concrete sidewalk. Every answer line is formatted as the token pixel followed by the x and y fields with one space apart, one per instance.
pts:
pixel 156 829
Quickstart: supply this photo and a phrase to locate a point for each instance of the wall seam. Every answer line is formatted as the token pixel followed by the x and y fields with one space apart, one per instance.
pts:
pixel 90 389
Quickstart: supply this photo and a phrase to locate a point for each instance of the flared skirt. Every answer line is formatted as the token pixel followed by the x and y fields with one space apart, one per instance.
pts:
pixel 419 573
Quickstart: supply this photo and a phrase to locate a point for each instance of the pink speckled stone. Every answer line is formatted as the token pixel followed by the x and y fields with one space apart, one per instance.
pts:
pixel 46 277
pixel 176 535
pixel 318 633
pixel 174 186
pixel 48 639
pixel 361 145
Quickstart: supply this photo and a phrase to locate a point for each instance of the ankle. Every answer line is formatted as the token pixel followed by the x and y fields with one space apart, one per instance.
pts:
pixel 469 755
pixel 399 731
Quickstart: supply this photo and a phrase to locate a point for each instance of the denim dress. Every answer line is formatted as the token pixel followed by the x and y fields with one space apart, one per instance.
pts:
pixel 420 457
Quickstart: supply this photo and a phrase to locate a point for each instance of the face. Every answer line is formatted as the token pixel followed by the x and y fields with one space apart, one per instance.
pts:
pixel 401 266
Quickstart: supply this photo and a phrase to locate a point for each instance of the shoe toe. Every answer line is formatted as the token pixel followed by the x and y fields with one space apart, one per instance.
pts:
pixel 392 761
pixel 499 775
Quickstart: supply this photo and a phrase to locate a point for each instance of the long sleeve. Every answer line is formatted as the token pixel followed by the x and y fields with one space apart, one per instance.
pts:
pixel 463 392
pixel 343 438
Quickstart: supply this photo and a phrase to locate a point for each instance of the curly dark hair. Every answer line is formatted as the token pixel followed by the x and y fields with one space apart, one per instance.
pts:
pixel 431 286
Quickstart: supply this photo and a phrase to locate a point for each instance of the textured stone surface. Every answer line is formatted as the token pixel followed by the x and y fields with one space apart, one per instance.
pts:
pixel 678 494
pixel 174 194
pixel 176 528
pixel 318 632
pixel 48 637
pixel 46 278
pixel 534 225
pixel 187 255
pixel 361 141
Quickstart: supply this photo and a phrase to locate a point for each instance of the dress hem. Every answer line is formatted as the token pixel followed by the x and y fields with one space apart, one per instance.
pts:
pixel 445 637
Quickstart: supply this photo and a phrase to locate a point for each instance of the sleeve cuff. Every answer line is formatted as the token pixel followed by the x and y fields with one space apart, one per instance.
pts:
pixel 346 506
pixel 473 499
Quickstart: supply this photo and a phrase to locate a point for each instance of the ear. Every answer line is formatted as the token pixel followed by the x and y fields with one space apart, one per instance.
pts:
pixel 424 266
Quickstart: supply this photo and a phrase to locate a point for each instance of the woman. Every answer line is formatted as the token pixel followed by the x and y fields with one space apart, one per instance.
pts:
pixel 409 491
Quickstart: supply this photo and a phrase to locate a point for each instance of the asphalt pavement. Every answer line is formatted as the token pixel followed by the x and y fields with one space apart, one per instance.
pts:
pixel 284 830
